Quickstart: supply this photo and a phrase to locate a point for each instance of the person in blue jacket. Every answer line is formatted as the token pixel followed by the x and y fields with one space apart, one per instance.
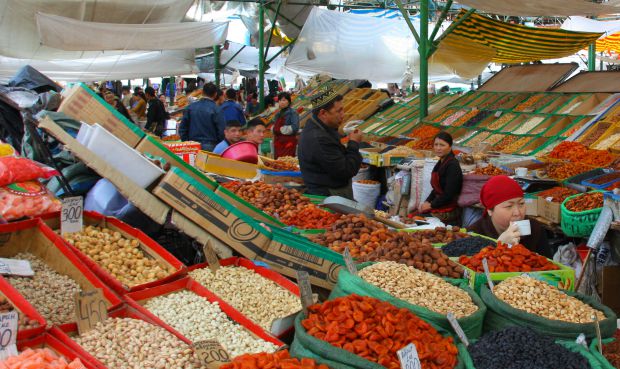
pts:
pixel 203 121
pixel 231 108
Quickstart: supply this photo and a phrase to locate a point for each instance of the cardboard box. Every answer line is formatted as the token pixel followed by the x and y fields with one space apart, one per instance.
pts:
pixel 212 163
pixel 531 206
pixel 142 199
pixel 549 210
pixel 83 104
pixel 187 150
pixel 200 235
pixel 283 251
pixel 152 146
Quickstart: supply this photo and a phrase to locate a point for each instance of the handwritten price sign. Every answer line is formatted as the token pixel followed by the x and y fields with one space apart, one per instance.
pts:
pixel 90 309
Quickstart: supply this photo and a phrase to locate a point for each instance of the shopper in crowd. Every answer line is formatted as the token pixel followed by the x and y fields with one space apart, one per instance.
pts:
pixel 285 127
pixel 114 101
pixel 126 99
pixel 327 166
pixel 255 131
pixel 220 97
pixel 203 120
pixel 252 106
pixel 138 103
pixel 164 101
pixel 504 204
pixel 232 135
pixel 231 108
pixel 156 113
pixel 446 181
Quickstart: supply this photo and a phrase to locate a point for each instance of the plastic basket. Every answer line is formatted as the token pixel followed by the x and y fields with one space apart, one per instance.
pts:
pixel 578 224
pixel 589 182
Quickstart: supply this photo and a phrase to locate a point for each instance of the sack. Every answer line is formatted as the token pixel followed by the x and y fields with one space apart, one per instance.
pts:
pixel 366 194
pixel 305 345
pixel 501 315
pixel 470 192
pixel 472 325
pixel 594 362
pixel 13 169
pixel 362 174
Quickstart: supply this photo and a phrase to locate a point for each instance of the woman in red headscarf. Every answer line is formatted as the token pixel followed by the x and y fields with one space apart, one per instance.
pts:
pixel 504 204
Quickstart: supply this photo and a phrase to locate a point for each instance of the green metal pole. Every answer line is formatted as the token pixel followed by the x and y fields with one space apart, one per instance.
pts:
pixel 423 51
pixel 261 55
pixel 592 57
pixel 216 55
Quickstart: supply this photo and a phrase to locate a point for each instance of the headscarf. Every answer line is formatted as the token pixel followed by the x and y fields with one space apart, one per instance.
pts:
pixel 497 190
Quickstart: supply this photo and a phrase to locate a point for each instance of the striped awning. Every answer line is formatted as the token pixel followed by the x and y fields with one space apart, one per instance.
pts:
pixel 610 43
pixel 515 43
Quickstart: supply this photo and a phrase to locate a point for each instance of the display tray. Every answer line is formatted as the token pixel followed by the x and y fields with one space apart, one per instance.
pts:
pixel 49 341
pixel 22 306
pixel 531 78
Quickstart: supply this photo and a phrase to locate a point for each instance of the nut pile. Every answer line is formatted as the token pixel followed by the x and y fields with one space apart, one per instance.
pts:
pixel 466 246
pixel 52 294
pixel 522 348
pixel 507 259
pixel 585 202
pixel 121 257
pixel 24 321
pixel 441 234
pixel 419 288
pixel 540 298
pixel 256 297
pixel 198 319
pixel 132 343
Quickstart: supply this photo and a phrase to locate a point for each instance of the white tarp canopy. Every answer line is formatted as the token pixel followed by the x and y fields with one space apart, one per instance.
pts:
pixel 74 35
pixel 247 59
pixel 582 24
pixel 531 8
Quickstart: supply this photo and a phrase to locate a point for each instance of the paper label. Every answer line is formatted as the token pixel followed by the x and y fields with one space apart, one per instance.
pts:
pixel 485 265
pixel 549 199
pixel 211 354
pixel 408 357
pixel 90 309
pixel 498 114
pixel 348 261
pixel 305 289
pixel 71 219
pixel 16 267
pixel 457 329
pixel 211 256
pixel 8 334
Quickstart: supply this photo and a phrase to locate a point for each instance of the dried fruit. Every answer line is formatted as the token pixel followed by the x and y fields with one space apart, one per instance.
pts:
pixel 585 202
pixel 508 259
pixel 557 194
pixel 277 360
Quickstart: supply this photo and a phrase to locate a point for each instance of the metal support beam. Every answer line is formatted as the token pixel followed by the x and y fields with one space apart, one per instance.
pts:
pixel 216 55
pixel 456 24
pixel 405 14
pixel 273 26
pixel 442 16
pixel 233 57
pixel 285 18
pixel 423 49
pixel 281 51
pixel 592 57
pixel 261 55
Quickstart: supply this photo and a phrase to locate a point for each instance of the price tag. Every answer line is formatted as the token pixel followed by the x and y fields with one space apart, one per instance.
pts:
pixel 348 261
pixel 457 329
pixel 71 219
pixel 598 334
pixel 8 334
pixel 90 309
pixel 16 267
pixel 549 199
pixel 305 289
pixel 211 354
pixel 498 114
pixel 485 265
pixel 408 357
pixel 466 274
pixel 211 256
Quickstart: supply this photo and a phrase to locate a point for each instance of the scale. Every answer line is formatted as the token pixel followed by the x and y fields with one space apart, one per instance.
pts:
pixel 529 184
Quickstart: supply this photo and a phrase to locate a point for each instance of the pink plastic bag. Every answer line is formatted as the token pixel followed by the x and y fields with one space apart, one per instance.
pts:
pixel 26 199
pixel 13 169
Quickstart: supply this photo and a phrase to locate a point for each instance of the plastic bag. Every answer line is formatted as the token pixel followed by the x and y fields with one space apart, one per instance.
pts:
pixel 567 255
pixel 14 170
pixel 366 194
pixel 26 199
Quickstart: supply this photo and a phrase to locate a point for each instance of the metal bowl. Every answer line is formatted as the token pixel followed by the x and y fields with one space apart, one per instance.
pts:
pixel 245 151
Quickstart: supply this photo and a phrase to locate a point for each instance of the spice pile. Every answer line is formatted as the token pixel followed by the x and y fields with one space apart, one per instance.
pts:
pixel 376 330
pixel 585 202
pixel 578 153
pixel 508 259
pixel 39 359
pixel 557 194
pixel 466 246
pixel 540 298
pixel 419 288
pixel 522 348
pixel 277 360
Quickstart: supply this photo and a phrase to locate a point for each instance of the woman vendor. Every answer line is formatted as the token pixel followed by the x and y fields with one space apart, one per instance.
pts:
pixel 446 181
pixel 286 125
pixel 503 201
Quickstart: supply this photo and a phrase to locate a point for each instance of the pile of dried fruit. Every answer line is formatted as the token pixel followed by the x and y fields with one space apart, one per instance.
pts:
pixel 585 202
pixel 506 142
pixel 606 178
pixel 466 246
pixel 360 234
pixel 594 135
pixel 557 194
pixel 441 234
pixel 310 217
pixel 367 181
pixel 499 123
pixel 281 166
pixel 424 132
pixel 277 360
pixel 578 153
pixel 508 259
pixel 376 330
pixel 611 351
pixel 533 103
pixel 489 170
pixel 566 170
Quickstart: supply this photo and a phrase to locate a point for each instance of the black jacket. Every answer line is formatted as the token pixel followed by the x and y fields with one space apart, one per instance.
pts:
pixel 450 180
pixel 324 161
pixel 536 242
pixel 156 117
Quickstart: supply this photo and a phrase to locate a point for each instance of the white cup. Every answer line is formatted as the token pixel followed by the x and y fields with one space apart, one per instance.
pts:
pixel 521 172
pixel 525 228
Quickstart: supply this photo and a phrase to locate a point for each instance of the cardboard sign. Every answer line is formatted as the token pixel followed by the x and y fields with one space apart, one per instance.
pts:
pixel 90 309
pixel 211 256
pixel 71 219
pixel 16 267
pixel 305 289
pixel 8 334
pixel 408 357
pixel 211 354
pixel 348 261
pixel 485 265
pixel 457 329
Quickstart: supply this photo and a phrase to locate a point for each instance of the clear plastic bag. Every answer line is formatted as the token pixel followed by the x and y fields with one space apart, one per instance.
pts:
pixel 26 199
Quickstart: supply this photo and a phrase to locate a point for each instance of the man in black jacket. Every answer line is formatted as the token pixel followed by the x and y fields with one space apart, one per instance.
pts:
pixel 327 166
pixel 156 113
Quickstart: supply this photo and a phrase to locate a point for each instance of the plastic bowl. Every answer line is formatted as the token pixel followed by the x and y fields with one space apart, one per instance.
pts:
pixel 245 151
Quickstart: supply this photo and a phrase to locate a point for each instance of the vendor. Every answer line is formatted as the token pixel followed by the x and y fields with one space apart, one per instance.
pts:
pixel 327 166
pixel 285 127
pixel 446 181
pixel 232 135
pixel 502 198
pixel 255 132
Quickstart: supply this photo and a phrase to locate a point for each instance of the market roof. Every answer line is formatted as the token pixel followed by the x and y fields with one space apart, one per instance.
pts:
pixel 531 8
pixel 515 43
